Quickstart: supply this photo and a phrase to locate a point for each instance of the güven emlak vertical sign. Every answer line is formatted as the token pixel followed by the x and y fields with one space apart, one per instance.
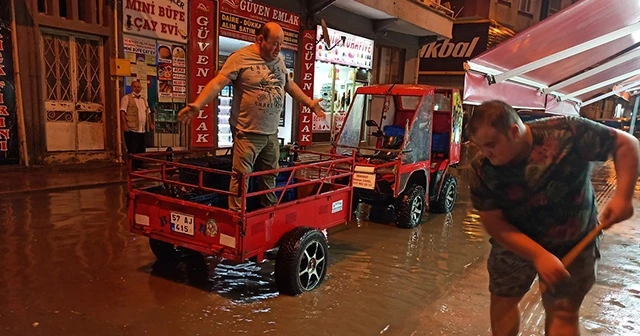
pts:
pixel 203 49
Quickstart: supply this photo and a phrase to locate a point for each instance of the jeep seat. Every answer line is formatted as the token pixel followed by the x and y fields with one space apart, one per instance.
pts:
pixel 393 137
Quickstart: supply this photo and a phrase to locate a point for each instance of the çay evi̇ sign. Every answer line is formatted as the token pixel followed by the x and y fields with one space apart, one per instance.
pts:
pixel 160 19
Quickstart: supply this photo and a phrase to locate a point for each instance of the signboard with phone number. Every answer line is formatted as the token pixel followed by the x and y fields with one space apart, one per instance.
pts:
pixel 241 19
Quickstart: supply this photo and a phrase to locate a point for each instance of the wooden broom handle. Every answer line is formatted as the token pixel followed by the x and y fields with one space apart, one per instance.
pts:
pixel 581 245
pixel 576 250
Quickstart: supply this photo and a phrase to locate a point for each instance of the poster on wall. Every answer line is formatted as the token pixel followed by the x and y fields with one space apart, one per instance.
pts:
pixel 179 82
pixel 165 72
pixel 141 53
pixel 203 48
pixel 159 19
pixel 9 144
pixel 240 19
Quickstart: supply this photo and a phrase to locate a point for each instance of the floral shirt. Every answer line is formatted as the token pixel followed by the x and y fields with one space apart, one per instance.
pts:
pixel 549 197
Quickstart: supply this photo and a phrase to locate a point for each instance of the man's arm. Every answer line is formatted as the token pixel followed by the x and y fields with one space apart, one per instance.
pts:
pixel 508 236
pixel 294 90
pixel 209 92
pixel 626 159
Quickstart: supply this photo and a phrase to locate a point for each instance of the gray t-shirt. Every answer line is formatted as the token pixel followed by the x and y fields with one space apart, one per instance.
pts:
pixel 259 91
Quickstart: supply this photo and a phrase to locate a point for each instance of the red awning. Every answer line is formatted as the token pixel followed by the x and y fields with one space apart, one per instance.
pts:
pixel 572 59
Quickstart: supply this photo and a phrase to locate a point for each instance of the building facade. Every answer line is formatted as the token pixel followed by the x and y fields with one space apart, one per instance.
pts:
pixel 64 77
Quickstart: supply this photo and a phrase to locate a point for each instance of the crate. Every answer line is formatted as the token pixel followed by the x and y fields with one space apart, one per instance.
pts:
pixel 210 199
pixel 209 180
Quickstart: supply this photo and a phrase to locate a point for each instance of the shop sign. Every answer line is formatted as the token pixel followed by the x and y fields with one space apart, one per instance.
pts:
pixel 308 68
pixel 469 40
pixel 354 51
pixel 241 19
pixel 202 51
pixel 9 149
pixel 159 19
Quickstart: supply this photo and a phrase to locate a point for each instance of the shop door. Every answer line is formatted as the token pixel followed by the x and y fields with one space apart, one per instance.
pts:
pixel 74 94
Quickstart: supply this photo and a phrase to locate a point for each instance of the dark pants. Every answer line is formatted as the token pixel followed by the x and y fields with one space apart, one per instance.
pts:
pixel 135 144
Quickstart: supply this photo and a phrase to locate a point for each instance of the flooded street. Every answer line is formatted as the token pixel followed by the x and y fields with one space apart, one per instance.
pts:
pixel 70 266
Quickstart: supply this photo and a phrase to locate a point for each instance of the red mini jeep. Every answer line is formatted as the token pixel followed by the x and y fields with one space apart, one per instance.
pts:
pixel 406 137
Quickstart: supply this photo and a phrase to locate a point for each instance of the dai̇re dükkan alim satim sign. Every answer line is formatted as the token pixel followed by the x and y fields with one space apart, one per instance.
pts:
pixel 9 150
pixel 241 19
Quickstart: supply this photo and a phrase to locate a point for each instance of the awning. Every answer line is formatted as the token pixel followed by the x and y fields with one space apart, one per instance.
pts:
pixel 571 59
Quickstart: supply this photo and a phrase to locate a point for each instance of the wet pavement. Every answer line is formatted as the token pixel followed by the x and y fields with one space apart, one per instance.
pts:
pixel 71 267
pixel 22 179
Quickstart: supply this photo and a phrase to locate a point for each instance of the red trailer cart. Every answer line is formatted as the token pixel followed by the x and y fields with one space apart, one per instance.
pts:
pixel 182 207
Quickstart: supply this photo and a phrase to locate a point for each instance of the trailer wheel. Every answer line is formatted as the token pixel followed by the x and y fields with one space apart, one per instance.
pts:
pixel 447 196
pixel 301 263
pixel 410 207
pixel 165 251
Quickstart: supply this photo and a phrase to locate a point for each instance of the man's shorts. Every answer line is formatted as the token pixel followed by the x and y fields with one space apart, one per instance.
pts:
pixel 511 275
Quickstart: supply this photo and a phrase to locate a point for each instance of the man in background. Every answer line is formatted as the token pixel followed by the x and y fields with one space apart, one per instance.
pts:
pixel 135 117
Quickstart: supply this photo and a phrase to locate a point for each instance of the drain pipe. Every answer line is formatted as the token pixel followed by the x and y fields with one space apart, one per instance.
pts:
pixel 116 43
pixel 22 132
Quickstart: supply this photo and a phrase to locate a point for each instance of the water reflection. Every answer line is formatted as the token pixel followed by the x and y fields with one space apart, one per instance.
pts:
pixel 75 247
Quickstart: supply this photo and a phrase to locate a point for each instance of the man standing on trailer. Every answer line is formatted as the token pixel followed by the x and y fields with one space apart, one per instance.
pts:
pixel 260 80
pixel 531 185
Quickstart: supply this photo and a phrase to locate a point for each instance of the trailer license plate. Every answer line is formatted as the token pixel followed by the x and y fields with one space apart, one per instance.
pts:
pixel 364 180
pixel 182 223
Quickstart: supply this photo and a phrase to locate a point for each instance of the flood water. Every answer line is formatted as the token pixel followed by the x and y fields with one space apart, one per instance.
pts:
pixel 71 267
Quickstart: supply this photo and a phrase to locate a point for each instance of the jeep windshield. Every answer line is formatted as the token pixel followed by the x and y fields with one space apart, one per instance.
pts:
pixel 380 111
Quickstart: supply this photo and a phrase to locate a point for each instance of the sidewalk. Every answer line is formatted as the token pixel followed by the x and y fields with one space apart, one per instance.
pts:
pixel 611 308
pixel 49 178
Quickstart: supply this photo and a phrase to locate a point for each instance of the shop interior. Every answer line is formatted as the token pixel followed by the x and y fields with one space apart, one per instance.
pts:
pixel 336 84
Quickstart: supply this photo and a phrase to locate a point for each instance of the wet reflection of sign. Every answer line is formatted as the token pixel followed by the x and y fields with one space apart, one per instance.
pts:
pixel 241 19
pixel 9 149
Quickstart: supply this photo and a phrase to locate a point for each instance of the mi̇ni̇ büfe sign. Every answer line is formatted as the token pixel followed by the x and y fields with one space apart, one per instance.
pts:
pixel 158 19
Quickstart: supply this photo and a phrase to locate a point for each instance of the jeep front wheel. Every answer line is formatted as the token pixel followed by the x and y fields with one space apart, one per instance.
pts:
pixel 447 196
pixel 410 207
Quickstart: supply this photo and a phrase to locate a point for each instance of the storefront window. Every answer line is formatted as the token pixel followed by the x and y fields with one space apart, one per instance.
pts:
pixel 158 58
pixel 227 46
pixel 238 26
pixel 340 69
pixel 161 68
